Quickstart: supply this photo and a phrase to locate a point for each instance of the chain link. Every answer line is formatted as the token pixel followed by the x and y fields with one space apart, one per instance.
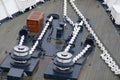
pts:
pixel 21 40
pixel 78 56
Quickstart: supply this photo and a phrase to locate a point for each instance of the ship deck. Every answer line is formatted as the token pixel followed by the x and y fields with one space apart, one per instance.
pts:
pixel 94 68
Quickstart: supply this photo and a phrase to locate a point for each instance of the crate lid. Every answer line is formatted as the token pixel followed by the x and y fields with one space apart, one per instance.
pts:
pixel 35 15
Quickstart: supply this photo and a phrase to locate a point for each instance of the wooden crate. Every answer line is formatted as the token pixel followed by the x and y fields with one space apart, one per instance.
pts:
pixel 35 21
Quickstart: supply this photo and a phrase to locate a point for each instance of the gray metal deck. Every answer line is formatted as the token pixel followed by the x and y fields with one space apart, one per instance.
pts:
pixel 94 68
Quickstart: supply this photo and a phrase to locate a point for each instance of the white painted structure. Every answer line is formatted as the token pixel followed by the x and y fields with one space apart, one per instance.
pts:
pixel 114 7
pixel 109 3
pixel 3 13
pixel 10 7
pixel 23 4
pixel 115 12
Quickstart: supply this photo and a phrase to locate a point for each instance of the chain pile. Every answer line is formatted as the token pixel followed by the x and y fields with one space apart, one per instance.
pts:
pixel 74 35
pixel 105 55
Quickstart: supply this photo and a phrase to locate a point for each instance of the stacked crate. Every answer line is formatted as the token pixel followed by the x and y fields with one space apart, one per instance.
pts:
pixel 35 21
